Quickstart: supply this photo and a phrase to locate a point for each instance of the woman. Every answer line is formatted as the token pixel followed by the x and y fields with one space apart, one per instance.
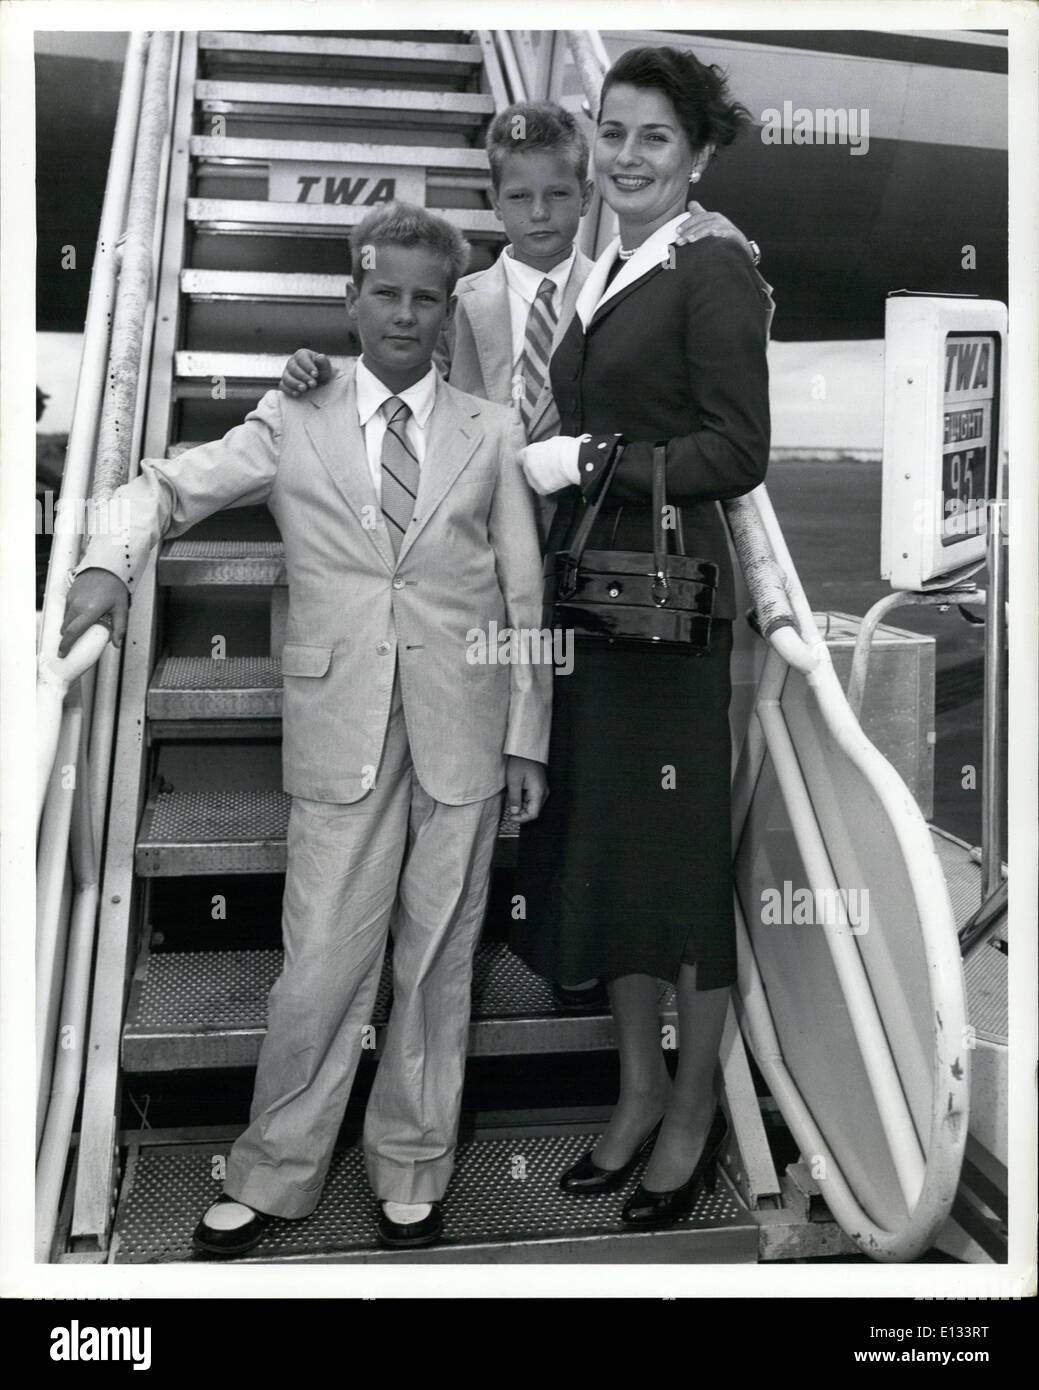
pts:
pixel 627 875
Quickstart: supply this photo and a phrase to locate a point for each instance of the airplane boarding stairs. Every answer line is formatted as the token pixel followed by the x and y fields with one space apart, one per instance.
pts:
pixel 198 816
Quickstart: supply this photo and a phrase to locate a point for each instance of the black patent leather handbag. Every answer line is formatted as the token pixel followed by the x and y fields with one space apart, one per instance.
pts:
pixel 627 594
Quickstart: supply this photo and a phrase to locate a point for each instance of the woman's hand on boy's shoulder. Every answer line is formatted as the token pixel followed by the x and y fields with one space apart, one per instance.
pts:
pixel 305 370
pixel 702 223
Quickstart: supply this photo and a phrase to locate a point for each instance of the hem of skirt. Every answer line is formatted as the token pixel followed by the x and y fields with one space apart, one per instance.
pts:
pixel 658 969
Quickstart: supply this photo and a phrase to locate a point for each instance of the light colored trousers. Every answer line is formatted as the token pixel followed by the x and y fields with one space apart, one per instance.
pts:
pixel 395 861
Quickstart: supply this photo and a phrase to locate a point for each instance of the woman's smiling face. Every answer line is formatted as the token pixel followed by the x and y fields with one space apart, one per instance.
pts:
pixel 642 155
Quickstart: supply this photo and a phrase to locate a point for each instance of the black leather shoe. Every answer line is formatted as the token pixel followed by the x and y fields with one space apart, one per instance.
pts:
pixel 593 1000
pixel 410 1235
pixel 209 1240
pixel 586 1176
pixel 647 1208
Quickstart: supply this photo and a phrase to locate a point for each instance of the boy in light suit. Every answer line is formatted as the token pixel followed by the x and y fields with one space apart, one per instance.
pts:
pixel 511 316
pixel 407 526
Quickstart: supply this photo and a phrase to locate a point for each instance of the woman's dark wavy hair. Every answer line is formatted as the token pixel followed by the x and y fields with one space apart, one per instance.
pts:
pixel 699 92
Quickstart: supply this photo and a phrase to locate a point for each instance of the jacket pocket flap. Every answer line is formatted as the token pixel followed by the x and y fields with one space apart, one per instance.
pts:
pixel 299 659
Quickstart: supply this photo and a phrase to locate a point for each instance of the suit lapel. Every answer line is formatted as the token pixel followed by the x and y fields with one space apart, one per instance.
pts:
pixel 487 308
pixel 338 441
pixel 597 298
pixel 610 302
pixel 452 435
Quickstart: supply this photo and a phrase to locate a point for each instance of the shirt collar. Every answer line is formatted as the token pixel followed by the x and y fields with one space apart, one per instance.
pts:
pixel 371 392
pixel 526 280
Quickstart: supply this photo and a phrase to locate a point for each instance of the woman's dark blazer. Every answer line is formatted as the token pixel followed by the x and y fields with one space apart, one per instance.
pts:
pixel 676 357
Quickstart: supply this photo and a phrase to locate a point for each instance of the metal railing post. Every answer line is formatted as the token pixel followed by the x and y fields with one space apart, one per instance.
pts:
pixel 97 1156
pixel 108 406
pixel 79 457
pixel 992 782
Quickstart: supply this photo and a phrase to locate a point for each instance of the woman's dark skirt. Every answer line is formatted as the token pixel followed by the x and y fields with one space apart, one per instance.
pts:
pixel 628 870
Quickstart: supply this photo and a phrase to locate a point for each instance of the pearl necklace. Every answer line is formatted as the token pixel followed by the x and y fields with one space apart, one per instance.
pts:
pixel 627 255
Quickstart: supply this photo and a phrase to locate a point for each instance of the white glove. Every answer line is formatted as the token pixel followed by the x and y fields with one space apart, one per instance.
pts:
pixel 552 463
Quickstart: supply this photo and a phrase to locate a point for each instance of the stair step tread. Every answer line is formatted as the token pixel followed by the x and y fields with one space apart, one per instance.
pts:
pixel 241 214
pixel 255 150
pixel 237 366
pixel 369 99
pixel 325 46
pixel 503 1206
pixel 222 562
pixel 198 1009
pixel 240 830
pixel 263 284
pixel 210 674
pixel 198 687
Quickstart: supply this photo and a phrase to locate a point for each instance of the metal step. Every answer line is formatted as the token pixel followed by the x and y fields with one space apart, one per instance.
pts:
pixel 503 1206
pixel 325 54
pixel 243 375
pixel 208 286
pixel 246 217
pixel 240 831
pixel 193 1010
pixel 222 562
pixel 436 159
pixel 373 105
pixel 196 687
pixel 213 832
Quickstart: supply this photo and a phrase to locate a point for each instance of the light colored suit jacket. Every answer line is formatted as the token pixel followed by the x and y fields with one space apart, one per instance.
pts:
pixel 469 559
pixel 479 341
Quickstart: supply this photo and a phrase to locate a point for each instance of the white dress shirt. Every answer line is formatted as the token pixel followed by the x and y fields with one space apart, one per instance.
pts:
pixel 371 392
pixel 524 282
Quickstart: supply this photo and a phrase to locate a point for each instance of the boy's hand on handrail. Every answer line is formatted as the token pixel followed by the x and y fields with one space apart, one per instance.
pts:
pixel 96 596
pixel 304 370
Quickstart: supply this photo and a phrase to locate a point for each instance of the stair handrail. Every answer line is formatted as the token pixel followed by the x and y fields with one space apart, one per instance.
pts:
pixel 929 1187
pixel 502 67
pixel 784 617
pixel 76 704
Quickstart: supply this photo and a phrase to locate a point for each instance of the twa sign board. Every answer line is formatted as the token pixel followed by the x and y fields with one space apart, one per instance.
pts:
pixel 943 387
pixel 357 185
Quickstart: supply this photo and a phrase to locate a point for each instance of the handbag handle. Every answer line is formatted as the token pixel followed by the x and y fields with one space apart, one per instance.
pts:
pixel 661 588
pixel 570 557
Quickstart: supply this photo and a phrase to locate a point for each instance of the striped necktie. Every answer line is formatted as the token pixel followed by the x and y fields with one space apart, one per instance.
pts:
pixel 537 349
pixel 399 471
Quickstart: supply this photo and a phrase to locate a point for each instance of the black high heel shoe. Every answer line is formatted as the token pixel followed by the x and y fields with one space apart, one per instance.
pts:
pixel 586 1176
pixel 647 1208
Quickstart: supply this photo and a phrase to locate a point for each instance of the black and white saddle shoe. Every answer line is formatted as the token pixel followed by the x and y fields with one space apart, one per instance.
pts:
pixel 410 1235
pixel 211 1240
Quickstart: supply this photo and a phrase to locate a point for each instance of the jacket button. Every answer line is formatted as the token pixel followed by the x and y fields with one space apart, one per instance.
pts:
pixel 383 648
pixel 399 583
